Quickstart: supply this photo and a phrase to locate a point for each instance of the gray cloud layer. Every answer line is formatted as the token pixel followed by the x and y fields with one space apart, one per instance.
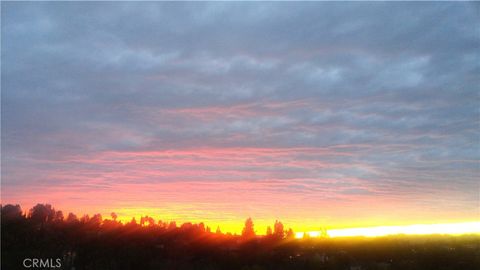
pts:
pixel 390 89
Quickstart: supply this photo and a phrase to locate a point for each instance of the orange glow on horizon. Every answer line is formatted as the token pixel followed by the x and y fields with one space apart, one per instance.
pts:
pixel 236 226
pixel 302 226
pixel 300 221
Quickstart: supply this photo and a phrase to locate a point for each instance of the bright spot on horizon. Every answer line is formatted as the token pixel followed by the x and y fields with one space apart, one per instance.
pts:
pixel 417 229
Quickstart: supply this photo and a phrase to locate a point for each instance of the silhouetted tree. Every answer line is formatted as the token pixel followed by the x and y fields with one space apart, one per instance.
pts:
pixel 114 216
pixel 42 213
pixel 147 220
pixel 248 231
pixel 269 231
pixel 85 218
pixel 162 224
pixel 96 219
pixel 278 230
pixel 290 234
pixel 59 216
pixel 201 227
pixel 186 226
pixel 72 218
pixel 151 221
pixel 133 221
pixel 11 212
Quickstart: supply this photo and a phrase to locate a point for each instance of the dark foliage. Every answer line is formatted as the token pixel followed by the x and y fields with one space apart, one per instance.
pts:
pixel 94 243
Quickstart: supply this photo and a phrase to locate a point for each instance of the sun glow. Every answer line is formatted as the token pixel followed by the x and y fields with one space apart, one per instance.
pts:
pixel 417 229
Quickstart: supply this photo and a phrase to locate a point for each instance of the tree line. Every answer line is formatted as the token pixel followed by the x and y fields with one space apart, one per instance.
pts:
pixel 94 242
pixel 42 214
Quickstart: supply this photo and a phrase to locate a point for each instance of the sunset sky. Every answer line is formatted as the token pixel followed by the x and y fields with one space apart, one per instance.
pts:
pixel 317 114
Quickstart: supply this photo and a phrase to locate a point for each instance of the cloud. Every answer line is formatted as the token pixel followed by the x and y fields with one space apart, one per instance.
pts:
pixel 379 98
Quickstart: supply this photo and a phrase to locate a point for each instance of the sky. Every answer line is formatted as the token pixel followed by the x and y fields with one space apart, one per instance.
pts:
pixel 318 114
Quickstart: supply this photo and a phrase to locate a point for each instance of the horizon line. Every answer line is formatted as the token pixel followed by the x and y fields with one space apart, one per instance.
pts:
pixel 459 228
